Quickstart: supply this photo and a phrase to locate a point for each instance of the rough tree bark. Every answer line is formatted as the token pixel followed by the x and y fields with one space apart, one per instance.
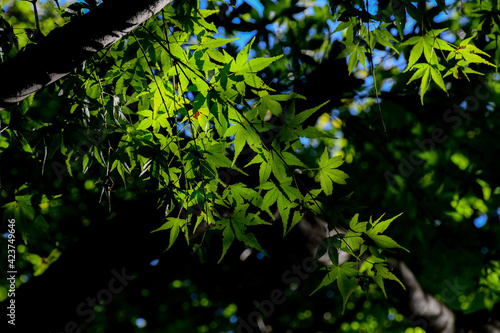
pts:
pixel 65 48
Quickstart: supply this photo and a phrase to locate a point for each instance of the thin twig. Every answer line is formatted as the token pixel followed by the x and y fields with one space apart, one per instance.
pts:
pixel 370 60
pixel 36 15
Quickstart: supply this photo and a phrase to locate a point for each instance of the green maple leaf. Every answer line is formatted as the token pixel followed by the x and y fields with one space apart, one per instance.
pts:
pixel 345 275
pixel 382 241
pixel 426 72
pixel 329 174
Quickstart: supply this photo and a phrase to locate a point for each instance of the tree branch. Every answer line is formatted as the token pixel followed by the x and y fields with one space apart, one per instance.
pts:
pixel 66 47
pixel 437 317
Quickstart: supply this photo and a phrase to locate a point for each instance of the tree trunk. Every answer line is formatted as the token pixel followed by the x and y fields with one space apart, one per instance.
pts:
pixel 65 48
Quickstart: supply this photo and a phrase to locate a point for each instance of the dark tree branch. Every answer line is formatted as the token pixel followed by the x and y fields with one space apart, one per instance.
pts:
pixel 64 48
pixel 437 317
pixel 36 15
pixel 426 311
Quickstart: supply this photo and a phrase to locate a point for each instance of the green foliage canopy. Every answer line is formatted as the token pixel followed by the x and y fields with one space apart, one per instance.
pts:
pixel 173 110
